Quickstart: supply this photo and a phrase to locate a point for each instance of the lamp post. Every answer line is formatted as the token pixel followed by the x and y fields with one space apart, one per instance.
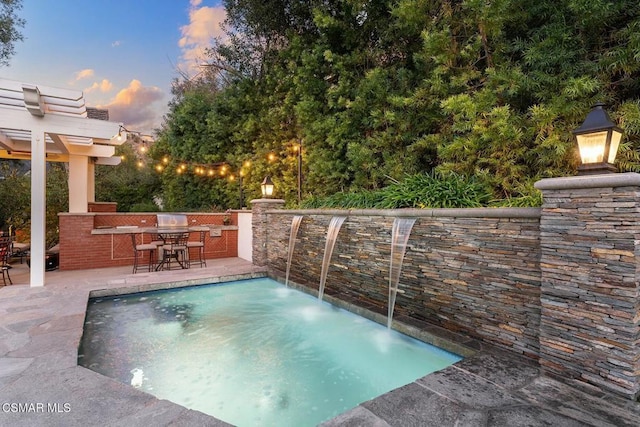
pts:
pixel 241 192
pixel 300 172
pixel 598 139
pixel 267 187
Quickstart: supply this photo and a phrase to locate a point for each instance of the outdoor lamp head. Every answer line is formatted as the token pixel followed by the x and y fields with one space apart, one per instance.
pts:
pixel 267 187
pixel 122 134
pixel 598 139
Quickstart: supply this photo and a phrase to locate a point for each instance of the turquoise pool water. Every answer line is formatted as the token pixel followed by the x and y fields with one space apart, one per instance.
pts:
pixel 252 353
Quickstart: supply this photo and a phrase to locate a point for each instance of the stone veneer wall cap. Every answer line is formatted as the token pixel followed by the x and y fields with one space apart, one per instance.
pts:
pixel 254 201
pixel 627 179
pixel 421 213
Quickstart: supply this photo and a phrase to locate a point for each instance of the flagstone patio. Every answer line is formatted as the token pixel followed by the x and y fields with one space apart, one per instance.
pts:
pixel 42 385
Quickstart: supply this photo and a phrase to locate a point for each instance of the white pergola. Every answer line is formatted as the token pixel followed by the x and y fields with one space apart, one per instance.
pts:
pixel 41 124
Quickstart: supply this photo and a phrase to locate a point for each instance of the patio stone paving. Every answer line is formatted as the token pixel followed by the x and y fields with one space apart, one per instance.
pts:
pixel 40 329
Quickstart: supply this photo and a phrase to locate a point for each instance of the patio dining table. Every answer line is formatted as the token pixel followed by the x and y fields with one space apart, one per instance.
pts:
pixel 165 235
pixel 173 246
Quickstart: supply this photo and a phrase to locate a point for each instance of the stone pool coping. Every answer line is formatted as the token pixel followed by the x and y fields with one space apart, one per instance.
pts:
pixel 42 385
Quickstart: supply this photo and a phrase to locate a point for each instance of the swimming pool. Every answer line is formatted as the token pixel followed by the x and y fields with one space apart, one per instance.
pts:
pixel 251 352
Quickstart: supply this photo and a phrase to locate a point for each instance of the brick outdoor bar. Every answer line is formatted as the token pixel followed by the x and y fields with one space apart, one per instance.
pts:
pixel 102 238
pixel 558 284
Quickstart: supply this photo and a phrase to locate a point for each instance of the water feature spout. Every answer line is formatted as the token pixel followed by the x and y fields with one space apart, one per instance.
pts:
pixel 399 237
pixel 332 234
pixel 295 224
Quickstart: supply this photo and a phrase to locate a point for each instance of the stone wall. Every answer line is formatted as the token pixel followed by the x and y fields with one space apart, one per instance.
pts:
pixel 590 230
pixel 559 284
pixel 473 271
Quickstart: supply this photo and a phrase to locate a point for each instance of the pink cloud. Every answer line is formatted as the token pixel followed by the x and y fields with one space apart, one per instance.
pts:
pixel 138 107
pixel 205 24
pixel 84 74
pixel 104 86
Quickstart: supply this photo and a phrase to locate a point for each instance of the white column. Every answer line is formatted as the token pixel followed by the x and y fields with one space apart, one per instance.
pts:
pixel 38 206
pixel 91 182
pixel 78 183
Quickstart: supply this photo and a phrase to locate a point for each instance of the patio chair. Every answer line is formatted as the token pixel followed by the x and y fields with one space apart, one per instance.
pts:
pixel 20 250
pixel 5 254
pixel 175 247
pixel 199 245
pixel 138 252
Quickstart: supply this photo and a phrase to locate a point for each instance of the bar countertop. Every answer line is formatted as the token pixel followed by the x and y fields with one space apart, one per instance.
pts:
pixel 134 229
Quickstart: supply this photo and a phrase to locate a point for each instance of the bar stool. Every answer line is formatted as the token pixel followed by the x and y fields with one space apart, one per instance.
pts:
pixel 175 247
pixel 199 244
pixel 139 250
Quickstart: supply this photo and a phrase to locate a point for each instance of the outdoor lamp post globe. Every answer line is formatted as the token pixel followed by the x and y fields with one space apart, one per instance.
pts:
pixel 598 139
pixel 267 187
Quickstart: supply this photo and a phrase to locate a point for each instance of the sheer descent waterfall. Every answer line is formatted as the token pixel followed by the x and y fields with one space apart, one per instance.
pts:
pixel 295 224
pixel 332 234
pixel 399 237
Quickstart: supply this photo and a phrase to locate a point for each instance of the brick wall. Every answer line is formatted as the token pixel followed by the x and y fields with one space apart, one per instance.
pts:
pixel 82 249
pixel 102 207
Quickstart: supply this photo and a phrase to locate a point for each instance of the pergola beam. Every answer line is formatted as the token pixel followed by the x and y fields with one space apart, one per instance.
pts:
pixel 6 142
pixel 61 125
pixel 32 100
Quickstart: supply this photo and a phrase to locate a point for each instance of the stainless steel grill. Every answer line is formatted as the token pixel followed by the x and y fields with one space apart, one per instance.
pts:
pixel 168 221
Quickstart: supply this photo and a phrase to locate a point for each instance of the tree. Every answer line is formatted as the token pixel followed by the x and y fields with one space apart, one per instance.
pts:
pixel 14 186
pixel 380 89
pixel 131 185
pixel 9 28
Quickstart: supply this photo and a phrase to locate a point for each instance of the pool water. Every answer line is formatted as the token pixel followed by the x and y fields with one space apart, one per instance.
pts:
pixel 252 353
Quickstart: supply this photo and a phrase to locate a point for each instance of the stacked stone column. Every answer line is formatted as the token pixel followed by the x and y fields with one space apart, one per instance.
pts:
pixel 589 240
pixel 260 228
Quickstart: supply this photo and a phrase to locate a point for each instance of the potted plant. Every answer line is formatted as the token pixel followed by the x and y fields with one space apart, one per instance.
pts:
pixel 226 219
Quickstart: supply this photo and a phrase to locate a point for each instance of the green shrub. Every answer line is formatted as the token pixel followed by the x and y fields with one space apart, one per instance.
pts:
pixel 415 191
pixel 526 201
pixel 144 207
pixel 435 191
pixel 355 200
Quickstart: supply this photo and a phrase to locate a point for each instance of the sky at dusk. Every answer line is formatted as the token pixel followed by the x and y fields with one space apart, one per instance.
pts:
pixel 123 54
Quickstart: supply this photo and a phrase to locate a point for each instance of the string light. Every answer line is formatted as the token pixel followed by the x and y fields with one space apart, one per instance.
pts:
pixel 219 169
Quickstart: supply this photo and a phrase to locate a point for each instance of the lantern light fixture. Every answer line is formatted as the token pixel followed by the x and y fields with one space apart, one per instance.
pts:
pixel 598 139
pixel 267 187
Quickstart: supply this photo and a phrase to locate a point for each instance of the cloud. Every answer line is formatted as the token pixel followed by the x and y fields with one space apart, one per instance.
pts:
pixel 139 107
pixel 84 74
pixel 104 86
pixel 116 43
pixel 205 24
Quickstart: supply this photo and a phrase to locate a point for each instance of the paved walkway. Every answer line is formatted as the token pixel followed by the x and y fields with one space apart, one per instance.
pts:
pixel 41 384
